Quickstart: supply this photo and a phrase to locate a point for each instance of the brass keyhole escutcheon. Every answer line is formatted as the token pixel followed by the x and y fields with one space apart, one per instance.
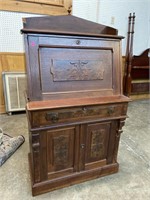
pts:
pixel 78 42
pixel 110 110
pixel 84 109
pixel 82 146
pixel 53 117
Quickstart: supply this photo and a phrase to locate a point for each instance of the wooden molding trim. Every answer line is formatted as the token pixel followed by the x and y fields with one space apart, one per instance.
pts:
pixel 140 96
pixel 12 54
pixel 45 7
pixel 2 109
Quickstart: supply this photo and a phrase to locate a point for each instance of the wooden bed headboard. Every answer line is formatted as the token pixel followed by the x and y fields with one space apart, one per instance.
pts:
pixel 140 71
pixel 136 69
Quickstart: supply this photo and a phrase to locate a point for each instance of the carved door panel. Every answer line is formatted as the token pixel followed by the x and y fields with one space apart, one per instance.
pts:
pixel 62 151
pixel 96 144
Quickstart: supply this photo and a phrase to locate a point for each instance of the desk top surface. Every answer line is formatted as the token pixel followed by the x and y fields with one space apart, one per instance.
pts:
pixel 74 102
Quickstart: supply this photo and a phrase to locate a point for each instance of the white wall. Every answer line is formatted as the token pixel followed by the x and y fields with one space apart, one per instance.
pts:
pixel 119 10
pixel 86 9
pixel 115 13
pixel 108 12
pixel 11 39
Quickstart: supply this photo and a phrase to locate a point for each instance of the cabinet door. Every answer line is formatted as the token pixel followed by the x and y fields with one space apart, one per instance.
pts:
pixel 97 144
pixel 55 153
pixel 62 151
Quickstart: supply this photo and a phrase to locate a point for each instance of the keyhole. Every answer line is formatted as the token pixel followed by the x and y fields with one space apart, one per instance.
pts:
pixel 82 146
pixel 78 42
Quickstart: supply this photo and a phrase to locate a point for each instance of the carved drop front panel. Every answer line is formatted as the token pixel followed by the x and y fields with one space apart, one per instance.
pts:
pixel 61 150
pixel 75 70
pixel 97 142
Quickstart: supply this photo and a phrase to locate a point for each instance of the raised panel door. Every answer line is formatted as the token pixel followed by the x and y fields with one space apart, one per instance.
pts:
pixel 96 144
pixel 62 151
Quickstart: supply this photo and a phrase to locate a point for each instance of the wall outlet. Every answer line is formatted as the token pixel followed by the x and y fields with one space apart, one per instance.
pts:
pixel 112 20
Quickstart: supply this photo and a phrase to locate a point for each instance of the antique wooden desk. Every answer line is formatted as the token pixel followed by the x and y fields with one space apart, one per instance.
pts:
pixel 75 107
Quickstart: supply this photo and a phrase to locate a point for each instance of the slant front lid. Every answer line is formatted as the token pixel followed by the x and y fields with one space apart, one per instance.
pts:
pixel 69 57
pixel 68 25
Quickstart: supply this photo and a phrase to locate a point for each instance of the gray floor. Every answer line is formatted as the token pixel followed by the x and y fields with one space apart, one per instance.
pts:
pixel 132 181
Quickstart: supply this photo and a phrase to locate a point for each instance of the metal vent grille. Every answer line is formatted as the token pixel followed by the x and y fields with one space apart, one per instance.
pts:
pixel 14 87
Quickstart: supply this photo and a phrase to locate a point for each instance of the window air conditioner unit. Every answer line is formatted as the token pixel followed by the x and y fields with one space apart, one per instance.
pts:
pixel 14 84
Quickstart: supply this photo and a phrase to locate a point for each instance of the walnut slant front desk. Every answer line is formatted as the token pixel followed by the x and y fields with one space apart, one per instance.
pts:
pixel 75 106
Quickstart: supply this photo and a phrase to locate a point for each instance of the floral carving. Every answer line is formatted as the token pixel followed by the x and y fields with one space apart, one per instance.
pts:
pixel 74 70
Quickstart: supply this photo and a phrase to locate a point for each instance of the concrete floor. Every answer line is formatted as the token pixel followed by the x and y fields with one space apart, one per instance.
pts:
pixel 131 182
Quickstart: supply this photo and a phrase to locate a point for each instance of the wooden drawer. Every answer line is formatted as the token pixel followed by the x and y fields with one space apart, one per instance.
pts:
pixel 75 114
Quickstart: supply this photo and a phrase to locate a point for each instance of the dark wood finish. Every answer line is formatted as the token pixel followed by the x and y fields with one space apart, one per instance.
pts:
pixel 129 54
pixel 139 88
pixel 48 117
pixel 65 103
pixel 140 82
pixel 136 76
pixel 74 48
pixel 75 106
pixel 53 24
pixel 101 53
pixel 73 152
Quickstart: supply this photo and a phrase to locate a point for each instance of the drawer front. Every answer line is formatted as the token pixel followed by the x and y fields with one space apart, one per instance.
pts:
pixel 58 116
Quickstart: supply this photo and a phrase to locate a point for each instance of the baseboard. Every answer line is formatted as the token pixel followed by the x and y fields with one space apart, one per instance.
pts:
pixel 2 109
pixel 140 96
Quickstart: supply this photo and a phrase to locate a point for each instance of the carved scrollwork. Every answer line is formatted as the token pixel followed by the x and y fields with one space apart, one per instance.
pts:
pixel 35 142
pixel 36 156
pixel 74 70
pixel 60 151
pixel 118 133
pixel 97 143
